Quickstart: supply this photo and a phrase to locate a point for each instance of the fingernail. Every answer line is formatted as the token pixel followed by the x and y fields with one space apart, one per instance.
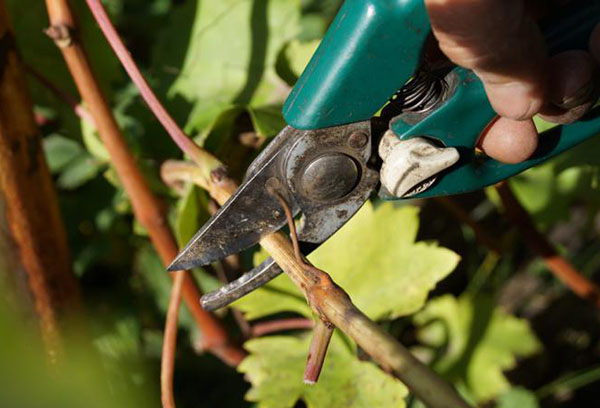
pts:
pixel 510 141
pixel 514 100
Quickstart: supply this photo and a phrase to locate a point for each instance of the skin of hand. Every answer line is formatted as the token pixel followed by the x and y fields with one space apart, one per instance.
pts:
pixel 501 42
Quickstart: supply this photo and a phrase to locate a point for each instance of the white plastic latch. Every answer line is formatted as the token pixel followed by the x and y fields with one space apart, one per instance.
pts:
pixel 408 163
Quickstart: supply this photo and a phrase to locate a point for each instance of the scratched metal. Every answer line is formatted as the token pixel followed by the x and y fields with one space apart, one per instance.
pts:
pixel 322 214
pixel 253 213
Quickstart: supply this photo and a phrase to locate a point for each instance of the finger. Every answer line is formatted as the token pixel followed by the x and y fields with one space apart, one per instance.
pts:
pixel 509 141
pixel 572 86
pixel 499 41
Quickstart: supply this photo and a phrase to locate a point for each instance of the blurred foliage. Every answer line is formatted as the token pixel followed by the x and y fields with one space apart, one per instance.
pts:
pixel 224 68
pixel 481 341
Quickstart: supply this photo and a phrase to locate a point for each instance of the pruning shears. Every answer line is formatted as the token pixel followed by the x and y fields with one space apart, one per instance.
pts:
pixel 370 110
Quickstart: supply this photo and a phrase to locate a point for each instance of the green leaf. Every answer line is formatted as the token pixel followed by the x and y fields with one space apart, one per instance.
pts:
pixel 294 59
pixel 547 191
pixel 275 366
pixel 92 142
pixel 279 295
pixel 60 151
pixel 186 223
pixel 375 259
pixel 517 397
pixel 226 66
pixel 268 120
pixel 78 172
pixel 479 341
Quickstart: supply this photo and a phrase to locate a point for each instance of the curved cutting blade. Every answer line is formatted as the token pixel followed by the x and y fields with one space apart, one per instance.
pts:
pixel 248 215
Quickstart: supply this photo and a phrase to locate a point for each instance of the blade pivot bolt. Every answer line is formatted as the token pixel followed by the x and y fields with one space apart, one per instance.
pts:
pixel 358 140
pixel 330 177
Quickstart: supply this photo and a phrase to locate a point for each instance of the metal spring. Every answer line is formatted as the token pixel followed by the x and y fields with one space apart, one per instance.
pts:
pixel 421 93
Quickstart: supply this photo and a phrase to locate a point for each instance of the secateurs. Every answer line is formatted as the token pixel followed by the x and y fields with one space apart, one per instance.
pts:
pixel 371 109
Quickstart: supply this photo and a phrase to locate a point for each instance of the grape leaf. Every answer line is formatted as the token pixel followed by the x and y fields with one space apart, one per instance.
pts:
pixel 275 366
pixel 231 56
pixel 375 259
pixel 294 58
pixel 479 340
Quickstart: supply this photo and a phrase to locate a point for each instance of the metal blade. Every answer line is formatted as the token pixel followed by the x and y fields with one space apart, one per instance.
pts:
pixel 248 215
pixel 248 282
pixel 317 227
pixel 322 173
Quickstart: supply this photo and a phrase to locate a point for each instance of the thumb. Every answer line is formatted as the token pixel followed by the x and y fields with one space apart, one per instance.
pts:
pixel 501 44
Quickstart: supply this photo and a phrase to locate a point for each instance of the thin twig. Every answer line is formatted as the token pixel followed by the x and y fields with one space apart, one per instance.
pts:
pixel 274 326
pixel 170 342
pixel 317 351
pixel 60 94
pixel 323 327
pixel 539 244
pixel 187 145
pixel 481 234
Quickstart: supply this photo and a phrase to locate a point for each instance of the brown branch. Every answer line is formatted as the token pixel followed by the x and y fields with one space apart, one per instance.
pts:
pixel 187 145
pixel 60 94
pixel 274 326
pixel 326 298
pixel 170 342
pixel 146 207
pixel 323 327
pixel 481 234
pixel 30 201
pixel 539 244
pixel 317 351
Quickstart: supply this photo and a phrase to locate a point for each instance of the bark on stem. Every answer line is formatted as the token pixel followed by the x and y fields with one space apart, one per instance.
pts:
pixel 169 343
pixel 146 207
pixel 31 203
pixel 274 326
pixel 318 351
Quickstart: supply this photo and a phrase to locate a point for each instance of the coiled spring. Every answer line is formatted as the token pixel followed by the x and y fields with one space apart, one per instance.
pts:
pixel 421 93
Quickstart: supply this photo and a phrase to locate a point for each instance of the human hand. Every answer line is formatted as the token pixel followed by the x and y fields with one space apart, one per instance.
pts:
pixel 500 41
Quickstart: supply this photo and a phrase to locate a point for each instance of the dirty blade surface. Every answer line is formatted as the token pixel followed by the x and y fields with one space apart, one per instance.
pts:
pixel 246 217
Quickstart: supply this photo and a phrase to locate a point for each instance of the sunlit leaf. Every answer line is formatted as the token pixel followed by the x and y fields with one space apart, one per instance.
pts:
pixel 231 56
pixel 275 366
pixel 376 260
